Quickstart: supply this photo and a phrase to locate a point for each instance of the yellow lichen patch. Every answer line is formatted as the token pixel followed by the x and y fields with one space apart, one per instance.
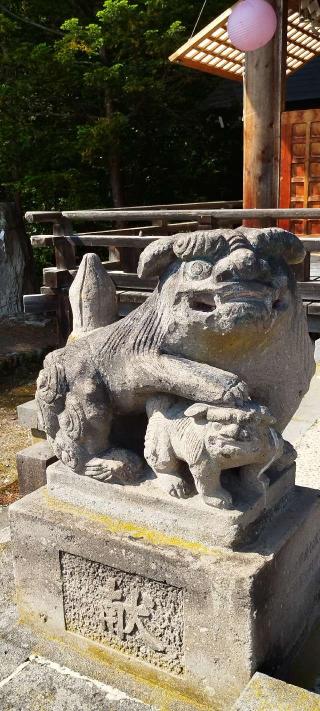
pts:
pixel 264 693
pixel 37 437
pixel 167 693
pixel 118 526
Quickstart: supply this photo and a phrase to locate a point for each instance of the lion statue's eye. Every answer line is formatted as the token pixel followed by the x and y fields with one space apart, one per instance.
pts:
pixel 199 269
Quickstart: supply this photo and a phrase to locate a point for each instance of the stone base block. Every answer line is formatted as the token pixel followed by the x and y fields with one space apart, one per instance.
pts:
pixel 28 415
pixel 264 693
pixel 32 465
pixel 191 519
pixel 172 621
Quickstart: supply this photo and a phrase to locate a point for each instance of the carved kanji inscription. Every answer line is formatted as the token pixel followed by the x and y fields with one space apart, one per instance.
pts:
pixel 130 612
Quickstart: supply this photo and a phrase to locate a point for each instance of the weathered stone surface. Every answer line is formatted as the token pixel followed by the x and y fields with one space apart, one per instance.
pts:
pixel 32 464
pixel 308 470
pixel 133 613
pixel 177 602
pixel 93 297
pixel 15 641
pixel 234 603
pixel 148 505
pixel 11 656
pixel 27 414
pixel 305 417
pixel 40 684
pixel 29 682
pixel 28 417
pixel 224 327
pixel 264 693
pixel 4 517
pixel 5 535
pixel 201 436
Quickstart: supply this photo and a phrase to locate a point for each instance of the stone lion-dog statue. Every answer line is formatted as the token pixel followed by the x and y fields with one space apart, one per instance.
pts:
pixel 224 327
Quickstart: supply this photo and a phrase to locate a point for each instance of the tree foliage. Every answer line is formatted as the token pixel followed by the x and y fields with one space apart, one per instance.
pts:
pixel 93 114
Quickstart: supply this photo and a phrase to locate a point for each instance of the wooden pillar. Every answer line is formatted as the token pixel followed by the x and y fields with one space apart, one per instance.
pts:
pixel 263 100
pixel 65 260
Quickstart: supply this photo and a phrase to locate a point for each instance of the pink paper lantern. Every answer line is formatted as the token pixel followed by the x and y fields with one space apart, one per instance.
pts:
pixel 251 24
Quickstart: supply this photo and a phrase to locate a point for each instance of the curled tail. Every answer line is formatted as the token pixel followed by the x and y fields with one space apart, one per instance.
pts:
pixel 51 393
pixel 73 407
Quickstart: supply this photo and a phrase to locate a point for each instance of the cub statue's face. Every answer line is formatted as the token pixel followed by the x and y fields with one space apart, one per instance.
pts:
pixel 218 286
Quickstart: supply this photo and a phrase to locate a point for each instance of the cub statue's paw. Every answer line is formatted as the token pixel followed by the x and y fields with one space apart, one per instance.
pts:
pixel 174 485
pixel 219 499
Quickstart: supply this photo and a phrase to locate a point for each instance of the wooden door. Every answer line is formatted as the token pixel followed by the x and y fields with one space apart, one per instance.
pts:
pixel 300 167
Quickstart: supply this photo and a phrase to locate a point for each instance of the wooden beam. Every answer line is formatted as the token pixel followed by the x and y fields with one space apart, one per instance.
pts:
pixel 233 215
pixel 311 244
pixel 203 34
pixel 309 290
pixel 182 215
pixel 53 216
pixel 209 69
pixel 39 303
pixel 93 240
pixel 132 297
pixel 314 308
pixel 42 216
pixel 263 101
pixel 126 280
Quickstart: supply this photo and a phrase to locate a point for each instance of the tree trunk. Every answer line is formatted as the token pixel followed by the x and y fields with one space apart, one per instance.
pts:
pixel 16 260
pixel 116 180
pixel 29 276
pixel 114 158
pixel 114 163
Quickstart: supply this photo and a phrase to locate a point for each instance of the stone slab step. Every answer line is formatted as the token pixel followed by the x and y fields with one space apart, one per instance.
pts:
pixel 263 693
pixel 39 683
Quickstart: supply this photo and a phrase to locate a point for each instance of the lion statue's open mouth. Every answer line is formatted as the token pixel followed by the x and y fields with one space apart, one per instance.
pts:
pixel 256 294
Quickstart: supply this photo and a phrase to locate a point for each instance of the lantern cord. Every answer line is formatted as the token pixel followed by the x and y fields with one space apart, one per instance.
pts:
pixel 198 18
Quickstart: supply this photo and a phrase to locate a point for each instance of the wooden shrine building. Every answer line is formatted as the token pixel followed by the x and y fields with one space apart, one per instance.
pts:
pixel 281 148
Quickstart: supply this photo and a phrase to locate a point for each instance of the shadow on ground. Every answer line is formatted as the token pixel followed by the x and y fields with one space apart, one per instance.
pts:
pixel 15 387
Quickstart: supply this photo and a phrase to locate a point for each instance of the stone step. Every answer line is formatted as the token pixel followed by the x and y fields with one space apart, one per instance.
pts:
pixel 39 683
pixel 265 693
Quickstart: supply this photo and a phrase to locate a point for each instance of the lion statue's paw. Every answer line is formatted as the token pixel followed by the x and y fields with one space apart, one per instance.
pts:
pixel 118 466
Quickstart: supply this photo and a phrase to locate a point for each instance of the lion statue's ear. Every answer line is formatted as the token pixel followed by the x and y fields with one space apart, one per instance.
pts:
pixel 185 246
pixel 156 257
pixel 276 242
pixel 197 410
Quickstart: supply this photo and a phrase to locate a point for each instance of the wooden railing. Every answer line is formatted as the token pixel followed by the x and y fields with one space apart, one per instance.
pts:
pixel 126 243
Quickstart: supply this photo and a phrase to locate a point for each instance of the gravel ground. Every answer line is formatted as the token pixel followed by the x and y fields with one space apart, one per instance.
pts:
pixel 308 461
pixel 24 339
pixel 15 388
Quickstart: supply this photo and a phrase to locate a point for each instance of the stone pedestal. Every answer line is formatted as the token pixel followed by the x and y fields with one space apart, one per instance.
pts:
pixel 32 464
pixel 154 606
pixel 264 693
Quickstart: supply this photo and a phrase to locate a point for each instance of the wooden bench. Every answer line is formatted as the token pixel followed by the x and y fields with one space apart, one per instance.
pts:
pixel 126 243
